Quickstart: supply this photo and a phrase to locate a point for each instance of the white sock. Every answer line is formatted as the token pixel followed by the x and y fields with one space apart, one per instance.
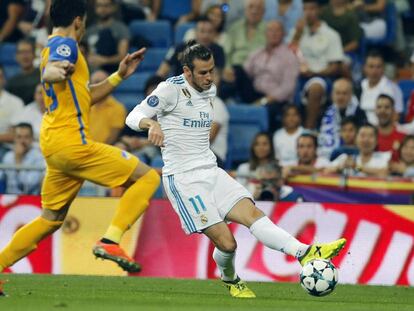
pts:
pixel 225 263
pixel 276 238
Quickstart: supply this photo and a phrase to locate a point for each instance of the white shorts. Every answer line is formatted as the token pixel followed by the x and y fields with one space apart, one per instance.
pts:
pixel 203 197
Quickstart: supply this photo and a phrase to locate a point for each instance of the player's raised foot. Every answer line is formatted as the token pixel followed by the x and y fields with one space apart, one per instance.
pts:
pixel 323 251
pixel 116 254
pixel 239 289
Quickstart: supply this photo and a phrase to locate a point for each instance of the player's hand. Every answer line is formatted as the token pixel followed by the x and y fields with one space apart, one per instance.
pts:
pixel 130 63
pixel 155 134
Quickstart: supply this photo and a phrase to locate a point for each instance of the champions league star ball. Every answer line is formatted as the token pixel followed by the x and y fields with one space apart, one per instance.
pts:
pixel 319 277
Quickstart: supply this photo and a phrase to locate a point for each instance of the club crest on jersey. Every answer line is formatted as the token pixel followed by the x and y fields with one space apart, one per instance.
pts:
pixel 204 219
pixel 153 101
pixel 126 155
pixel 64 50
pixel 186 92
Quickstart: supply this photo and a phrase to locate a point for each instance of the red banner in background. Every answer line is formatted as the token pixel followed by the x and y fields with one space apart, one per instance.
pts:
pixel 379 250
pixel 16 211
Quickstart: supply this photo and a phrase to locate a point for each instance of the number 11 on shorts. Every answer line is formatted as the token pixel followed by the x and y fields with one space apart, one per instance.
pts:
pixel 197 205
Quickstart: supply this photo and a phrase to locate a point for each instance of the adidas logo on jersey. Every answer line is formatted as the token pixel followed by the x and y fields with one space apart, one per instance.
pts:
pixel 189 103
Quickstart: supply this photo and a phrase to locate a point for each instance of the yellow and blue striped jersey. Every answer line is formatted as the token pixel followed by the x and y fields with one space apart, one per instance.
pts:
pixel 65 122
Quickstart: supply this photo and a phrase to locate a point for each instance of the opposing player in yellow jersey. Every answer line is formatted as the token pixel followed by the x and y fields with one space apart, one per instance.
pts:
pixel 70 155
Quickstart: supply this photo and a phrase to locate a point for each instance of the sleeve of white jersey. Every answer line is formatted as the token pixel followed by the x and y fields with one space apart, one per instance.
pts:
pixel 163 99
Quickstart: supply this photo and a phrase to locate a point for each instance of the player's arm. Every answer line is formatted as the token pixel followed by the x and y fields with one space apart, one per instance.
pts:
pixel 163 99
pixel 57 71
pixel 126 68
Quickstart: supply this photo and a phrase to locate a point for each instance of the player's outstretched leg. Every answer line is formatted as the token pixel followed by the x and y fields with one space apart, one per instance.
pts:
pixel 222 237
pixel 131 206
pixel 274 237
pixel 25 240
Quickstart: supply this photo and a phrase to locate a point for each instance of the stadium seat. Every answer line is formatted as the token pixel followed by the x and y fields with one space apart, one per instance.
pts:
pixel 391 16
pixel 129 100
pixel 406 86
pixel 8 54
pixel 153 59
pixel 180 31
pixel 135 83
pixel 158 32
pixel 245 123
pixel 11 70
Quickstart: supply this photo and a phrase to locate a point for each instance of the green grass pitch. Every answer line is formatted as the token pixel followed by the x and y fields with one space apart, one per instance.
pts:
pixel 78 293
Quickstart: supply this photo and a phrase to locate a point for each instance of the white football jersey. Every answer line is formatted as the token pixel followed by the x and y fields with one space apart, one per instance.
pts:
pixel 185 116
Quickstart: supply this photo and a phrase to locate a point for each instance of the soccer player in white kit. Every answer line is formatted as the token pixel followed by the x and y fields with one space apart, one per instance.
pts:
pixel 203 195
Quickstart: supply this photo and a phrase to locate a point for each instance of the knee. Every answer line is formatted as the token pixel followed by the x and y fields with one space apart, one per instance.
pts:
pixel 150 177
pixel 228 245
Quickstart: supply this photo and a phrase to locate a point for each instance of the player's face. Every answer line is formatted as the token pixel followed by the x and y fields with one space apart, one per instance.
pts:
pixel 202 75
pixel 306 150
pixel 384 111
pixel 407 152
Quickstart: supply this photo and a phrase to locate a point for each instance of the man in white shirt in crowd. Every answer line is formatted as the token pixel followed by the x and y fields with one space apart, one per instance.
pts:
pixel 376 83
pixel 33 113
pixel 11 106
pixel 203 195
pixel 24 153
pixel 321 53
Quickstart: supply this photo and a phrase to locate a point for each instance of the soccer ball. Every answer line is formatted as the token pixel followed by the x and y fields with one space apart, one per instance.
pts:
pixel 319 277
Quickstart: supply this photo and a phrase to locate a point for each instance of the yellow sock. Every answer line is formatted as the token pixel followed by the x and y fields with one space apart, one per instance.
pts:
pixel 25 240
pixel 132 205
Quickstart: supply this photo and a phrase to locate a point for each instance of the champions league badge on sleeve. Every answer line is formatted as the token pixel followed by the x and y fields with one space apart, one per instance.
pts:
pixel 153 101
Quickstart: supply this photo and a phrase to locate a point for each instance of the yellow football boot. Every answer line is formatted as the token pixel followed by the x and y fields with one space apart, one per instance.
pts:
pixel 239 289
pixel 323 251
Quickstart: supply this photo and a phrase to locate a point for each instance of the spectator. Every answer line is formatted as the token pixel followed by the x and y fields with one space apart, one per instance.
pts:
pixel 288 12
pixel 376 83
pixel 349 129
pixel 33 113
pixel 389 138
pixel 108 39
pixel 218 18
pixel 219 131
pixel 308 162
pixel 284 140
pixel 23 154
pixel 345 22
pixel 11 12
pixel 204 36
pixel 261 152
pixel 246 35
pixel 372 17
pixel 232 8
pixel 367 162
pixel 268 185
pixel 322 57
pixel 185 11
pixel 344 104
pixel 24 83
pixel 10 107
pixel 136 9
pixel 405 165
pixel 107 117
pixel 269 75
pixel 35 21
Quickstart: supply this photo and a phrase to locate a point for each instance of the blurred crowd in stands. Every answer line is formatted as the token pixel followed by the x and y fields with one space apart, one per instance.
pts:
pixel 335 79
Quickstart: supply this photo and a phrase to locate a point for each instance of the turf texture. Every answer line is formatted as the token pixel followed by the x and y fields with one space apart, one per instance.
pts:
pixel 78 293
